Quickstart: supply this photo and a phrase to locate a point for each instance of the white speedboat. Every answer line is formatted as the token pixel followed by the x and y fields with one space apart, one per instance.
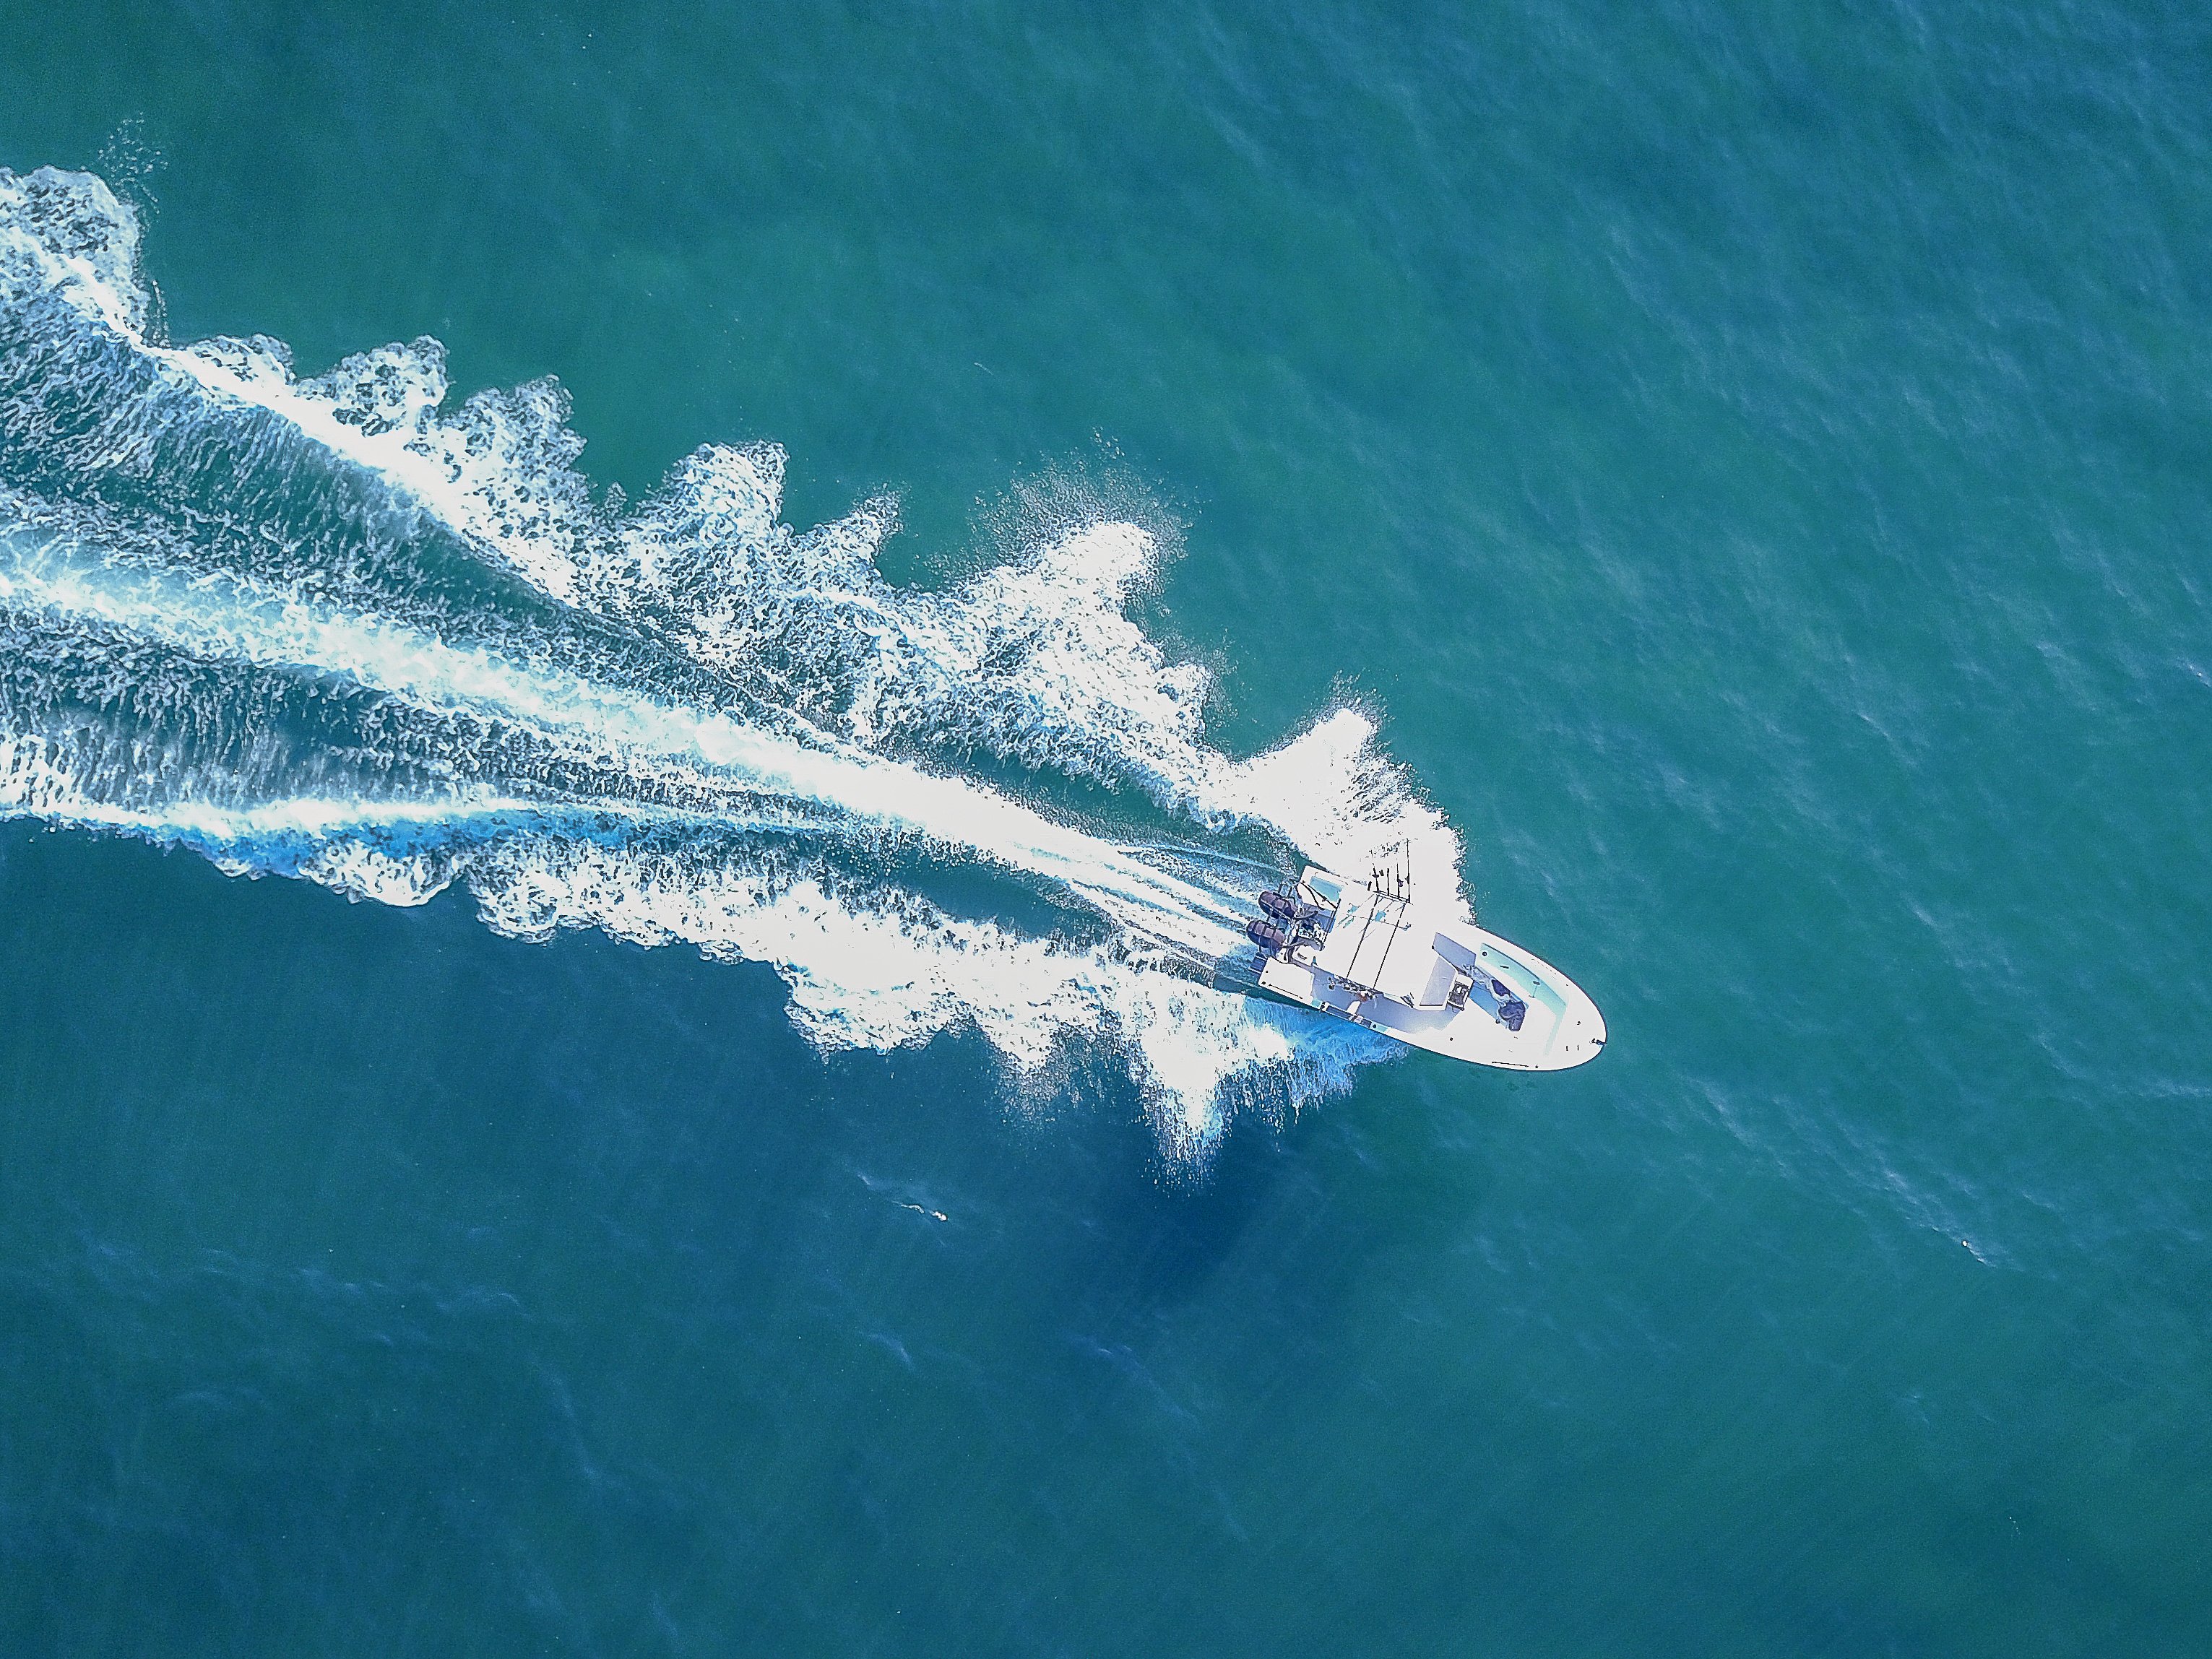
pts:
pixel 1370 952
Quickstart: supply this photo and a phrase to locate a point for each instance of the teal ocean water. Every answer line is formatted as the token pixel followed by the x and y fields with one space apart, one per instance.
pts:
pixel 646 657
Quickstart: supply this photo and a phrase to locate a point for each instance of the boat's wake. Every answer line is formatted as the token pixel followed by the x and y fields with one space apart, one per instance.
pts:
pixel 329 629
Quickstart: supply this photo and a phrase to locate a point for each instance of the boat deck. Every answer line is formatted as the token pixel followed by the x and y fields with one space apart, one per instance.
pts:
pixel 1425 977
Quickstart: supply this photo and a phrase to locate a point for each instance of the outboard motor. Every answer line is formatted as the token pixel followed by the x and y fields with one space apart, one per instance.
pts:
pixel 1288 910
pixel 1265 934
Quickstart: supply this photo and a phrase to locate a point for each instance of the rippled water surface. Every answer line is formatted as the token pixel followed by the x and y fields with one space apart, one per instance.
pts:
pixel 647 664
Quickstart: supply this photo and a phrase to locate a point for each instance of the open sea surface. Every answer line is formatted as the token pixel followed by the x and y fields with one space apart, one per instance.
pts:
pixel 649 655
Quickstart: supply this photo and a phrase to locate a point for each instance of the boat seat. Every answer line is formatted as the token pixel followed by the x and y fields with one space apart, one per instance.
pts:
pixel 1445 980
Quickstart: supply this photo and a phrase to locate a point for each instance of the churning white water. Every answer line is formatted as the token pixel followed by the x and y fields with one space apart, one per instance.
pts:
pixel 330 628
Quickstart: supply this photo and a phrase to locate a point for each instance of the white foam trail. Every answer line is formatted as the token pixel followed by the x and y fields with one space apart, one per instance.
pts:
pixel 875 976
pixel 498 474
pixel 859 699
pixel 213 617
pixel 1085 686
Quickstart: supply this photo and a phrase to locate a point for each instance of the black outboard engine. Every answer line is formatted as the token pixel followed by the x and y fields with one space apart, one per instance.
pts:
pixel 1265 934
pixel 1287 910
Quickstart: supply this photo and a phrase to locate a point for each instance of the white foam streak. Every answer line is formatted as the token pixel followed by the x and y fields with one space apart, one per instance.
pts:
pixel 849 679
pixel 873 976
pixel 213 617
pixel 1086 685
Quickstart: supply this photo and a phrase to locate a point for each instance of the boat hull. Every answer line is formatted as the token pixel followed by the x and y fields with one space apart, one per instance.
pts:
pixel 1560 1029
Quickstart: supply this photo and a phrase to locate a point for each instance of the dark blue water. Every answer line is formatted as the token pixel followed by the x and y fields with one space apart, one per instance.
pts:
pixel 1749 468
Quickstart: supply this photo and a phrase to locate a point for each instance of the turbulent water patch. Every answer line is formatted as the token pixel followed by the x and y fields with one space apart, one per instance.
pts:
pixel 333 628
